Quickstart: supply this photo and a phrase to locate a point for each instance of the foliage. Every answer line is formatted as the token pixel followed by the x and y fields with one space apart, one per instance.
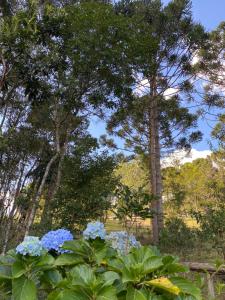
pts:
pixel 177 236
pixel 211 66
pixel 133 173
pixel 164 41
pixel 212 226
pixel 186 186
pixel 131 204
pixel 85 192
pixel 92 270
pixel 219 132
pixel 191 185
pixel 51 85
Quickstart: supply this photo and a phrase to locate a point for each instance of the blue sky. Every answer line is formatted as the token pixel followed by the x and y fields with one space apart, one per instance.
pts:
pixel 210 13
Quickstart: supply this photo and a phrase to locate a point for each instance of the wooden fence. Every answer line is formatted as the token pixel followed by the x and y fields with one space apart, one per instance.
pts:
pixel 211 273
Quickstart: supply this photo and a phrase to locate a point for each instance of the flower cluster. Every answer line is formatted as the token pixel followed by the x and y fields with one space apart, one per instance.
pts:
pixel 122 241
pixel 53 240
pixel 94 230
pixel 30 246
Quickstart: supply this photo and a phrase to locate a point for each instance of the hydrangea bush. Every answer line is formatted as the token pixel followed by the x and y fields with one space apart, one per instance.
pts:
pixel 91 268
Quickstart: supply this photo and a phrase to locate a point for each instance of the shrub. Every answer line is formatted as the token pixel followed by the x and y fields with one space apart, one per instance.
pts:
pixel 212 227
pixel 176 235
pixel 91 269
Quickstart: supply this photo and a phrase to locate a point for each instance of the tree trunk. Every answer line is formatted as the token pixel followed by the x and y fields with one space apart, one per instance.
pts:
pixel 12 212
pixel 36 199
pixel 159 186
pixel 155 167
pixel 46 218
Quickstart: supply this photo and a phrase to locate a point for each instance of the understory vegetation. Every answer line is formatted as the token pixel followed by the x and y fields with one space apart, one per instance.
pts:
pixel 98 266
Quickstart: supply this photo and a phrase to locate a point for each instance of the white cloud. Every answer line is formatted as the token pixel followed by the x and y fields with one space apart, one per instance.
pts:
pixel 170 93
pixel 195 59
pixel 143 88
pixel 182 157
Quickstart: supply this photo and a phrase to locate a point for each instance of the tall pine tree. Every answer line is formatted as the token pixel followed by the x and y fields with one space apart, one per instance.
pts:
pixel 164 42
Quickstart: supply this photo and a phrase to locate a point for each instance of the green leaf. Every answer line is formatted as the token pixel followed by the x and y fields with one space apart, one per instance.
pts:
pixel 107 293
pixel 23 289
pixel 109 277
pixel 80 247
pixel 5 272
pixel 187 287
pixel 152 264
pixel 55 295
pixel 83 275
pixel 176 268
pixel 18 269
pixel 68 259
pixel 72 295
pixel 53 277
pixel 133 294
pixel 46 259
pixel 100 255
pixel 144 253
pixel 66 295
pixel 172 266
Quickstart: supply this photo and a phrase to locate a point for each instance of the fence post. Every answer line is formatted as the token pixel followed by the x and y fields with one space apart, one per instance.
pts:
pixel 210 284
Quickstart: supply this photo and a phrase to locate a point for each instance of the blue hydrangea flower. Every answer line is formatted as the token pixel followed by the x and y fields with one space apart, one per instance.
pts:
pixel 53 240
pixel 30 246
pixel 122 241
pixel 94 230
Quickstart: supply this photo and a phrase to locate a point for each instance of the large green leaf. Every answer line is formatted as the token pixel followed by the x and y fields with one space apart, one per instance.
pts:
pixel 79 247
pixel 110 277
pixel 187 287
pixel 152 264
pixel 18 269
pixel 107 293
pixel 52 277
pixel 131 274
pixel 67 259
pixel 172 266
pixel 116 265
pixel 83 275
pixel 46 260
pixel 67 295
pixel 100 255
pixel 5 272
pixel 135 271
pixel 144 253
pixel 23 289
pixel 134 294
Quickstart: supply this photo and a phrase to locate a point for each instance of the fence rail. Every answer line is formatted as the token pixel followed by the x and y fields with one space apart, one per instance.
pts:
pixel 210 272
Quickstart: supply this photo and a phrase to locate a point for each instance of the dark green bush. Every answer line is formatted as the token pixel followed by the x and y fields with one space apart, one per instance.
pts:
pixel 177 236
